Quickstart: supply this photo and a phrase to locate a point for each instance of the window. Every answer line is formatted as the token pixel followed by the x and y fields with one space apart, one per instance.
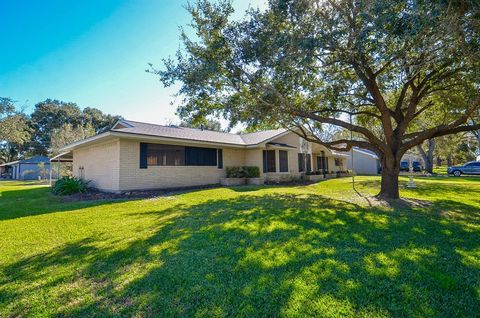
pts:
pixel 302 163
pixel 196 156
pixel 165 155
pixel 170 155
pixel 322 162
pixel 309 162
pixel 220 158
pixel 283 156
pixel 269 161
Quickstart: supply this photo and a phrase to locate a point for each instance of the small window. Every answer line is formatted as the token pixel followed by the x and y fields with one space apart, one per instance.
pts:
pixel 269 161
pixel 283 156
pixel 220 158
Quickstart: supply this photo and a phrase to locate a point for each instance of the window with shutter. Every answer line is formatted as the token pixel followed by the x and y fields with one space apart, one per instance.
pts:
pixel 171 155
pixel 269 164
pixel 301 162
pixel 283 156
pixel 220 158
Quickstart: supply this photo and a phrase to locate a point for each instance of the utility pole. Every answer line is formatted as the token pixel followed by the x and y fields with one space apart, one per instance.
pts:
pixel 351 150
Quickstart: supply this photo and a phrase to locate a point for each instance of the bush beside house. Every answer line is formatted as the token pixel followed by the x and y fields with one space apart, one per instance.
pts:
pixel 69 185
pixel 242 175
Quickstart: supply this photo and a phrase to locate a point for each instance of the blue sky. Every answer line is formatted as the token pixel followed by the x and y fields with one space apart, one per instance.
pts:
pixel 92 52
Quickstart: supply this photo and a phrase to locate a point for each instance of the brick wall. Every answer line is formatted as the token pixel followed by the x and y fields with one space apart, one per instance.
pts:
pixel 100 164
pixel 158 177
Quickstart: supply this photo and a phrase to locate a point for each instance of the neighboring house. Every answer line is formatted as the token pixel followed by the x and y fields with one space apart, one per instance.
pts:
pixel 139 156
pixel 365 162
pixel 27 169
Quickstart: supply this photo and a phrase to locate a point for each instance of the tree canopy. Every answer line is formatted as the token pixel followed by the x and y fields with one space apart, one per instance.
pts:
pixel 15 130
pixel 51 115
pixel 309 64
pixel 52 125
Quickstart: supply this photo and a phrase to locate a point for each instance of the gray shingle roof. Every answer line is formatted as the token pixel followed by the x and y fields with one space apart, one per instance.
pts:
pixel 177 132
pixel 34 160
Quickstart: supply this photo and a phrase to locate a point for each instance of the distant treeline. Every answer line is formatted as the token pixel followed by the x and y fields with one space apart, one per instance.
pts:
pixel 51 125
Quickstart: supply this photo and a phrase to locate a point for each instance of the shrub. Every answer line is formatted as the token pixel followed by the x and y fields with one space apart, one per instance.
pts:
pixel 251 171
pixel 234 172
pixel 243 172
pixel 310 173
pixel 69 185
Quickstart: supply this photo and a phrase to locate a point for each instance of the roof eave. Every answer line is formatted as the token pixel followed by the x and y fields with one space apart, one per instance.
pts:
pixel 88 140
pixel 114 133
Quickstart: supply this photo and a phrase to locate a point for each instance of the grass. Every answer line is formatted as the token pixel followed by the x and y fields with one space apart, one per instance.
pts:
pixel 440 170
pixel 318 250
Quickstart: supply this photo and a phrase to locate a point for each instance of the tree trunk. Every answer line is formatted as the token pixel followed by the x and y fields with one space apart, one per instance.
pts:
pixel 427 156
pixel 390 171
pixel 449 161
pixel 477 135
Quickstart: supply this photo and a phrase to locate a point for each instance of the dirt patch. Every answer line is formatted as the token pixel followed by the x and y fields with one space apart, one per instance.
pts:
pixel 95 195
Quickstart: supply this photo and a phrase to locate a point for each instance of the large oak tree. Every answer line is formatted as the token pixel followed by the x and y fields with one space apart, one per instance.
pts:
pixel 307 64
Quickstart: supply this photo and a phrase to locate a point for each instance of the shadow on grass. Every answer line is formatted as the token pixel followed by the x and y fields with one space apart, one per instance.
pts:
pixel 36 201
pixel 267 255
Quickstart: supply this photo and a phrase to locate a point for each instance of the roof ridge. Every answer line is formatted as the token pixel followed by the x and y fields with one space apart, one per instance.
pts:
pixel 177 126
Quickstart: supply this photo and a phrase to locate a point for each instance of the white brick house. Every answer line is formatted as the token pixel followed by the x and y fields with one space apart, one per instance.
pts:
pixel 138 156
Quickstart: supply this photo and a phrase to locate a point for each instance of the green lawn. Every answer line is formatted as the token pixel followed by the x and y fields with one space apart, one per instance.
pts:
pixel 440 169
pixel 318 250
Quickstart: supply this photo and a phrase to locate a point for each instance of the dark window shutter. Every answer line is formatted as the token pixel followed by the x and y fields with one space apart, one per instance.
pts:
pixel 301 162
pixel 264 161
pixel 143 155
pixel 220 158
pixel 309 162
pixel 196 156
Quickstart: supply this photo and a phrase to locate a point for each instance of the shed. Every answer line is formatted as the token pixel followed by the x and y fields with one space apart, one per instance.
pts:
pixel 365 162
pixel 26 169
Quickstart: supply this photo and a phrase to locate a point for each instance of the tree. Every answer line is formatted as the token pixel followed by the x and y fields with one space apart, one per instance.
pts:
pixel 455 149
pixel 427 156
pixel 203 123
pixel 68 134
pixel 98 120
pixel 51 115
pixel 309 64
pixel 14 130
pixel 48 116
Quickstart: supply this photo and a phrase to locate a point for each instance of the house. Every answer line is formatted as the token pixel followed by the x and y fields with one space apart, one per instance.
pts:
pixel 139 156
pixel 364 161
pixel 27 169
